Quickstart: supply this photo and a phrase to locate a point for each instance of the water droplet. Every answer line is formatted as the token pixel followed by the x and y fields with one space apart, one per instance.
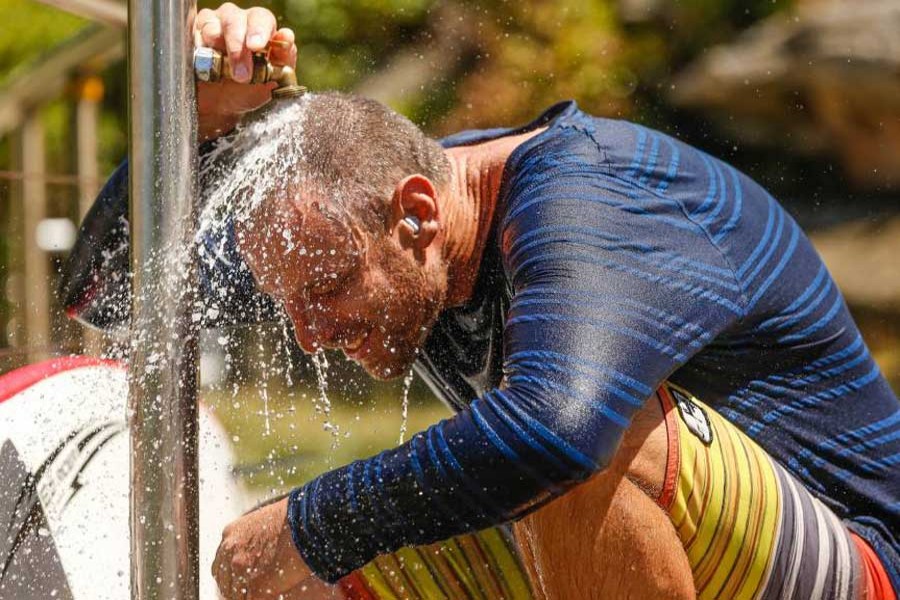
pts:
pixel 320 363
pixel 404 405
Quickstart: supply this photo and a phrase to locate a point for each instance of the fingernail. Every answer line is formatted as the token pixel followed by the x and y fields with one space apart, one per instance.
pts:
pixel 256 40
pixel 240 72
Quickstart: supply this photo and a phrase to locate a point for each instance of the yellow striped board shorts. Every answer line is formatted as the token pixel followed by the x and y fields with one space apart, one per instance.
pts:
pixel 749 529
pixel 484 566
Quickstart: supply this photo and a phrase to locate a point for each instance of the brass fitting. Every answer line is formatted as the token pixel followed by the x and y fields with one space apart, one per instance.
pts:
pixel 210 65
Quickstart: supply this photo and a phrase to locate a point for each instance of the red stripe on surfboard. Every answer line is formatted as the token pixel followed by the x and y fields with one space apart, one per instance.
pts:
pixel 21 379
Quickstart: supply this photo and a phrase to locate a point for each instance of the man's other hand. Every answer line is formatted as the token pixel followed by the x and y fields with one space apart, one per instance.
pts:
pixel 237 33
pixel 257 560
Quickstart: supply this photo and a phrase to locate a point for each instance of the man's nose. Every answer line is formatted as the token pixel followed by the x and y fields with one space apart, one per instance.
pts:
pixel 306 340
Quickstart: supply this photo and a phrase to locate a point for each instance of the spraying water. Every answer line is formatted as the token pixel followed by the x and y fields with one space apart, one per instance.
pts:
pixel 241 172
pixel 264 385
pixel 284 345
pixel 404 405
pixel 252 164
pixel 320 362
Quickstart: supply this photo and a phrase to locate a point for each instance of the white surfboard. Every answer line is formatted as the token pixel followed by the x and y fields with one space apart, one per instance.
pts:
pixel 64 483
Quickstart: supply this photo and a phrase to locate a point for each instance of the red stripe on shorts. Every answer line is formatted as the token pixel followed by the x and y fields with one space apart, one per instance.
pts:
pixel 673 451
pixel 877 586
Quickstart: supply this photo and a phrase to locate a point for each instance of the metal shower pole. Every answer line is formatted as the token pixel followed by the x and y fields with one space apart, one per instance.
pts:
pixel 163 364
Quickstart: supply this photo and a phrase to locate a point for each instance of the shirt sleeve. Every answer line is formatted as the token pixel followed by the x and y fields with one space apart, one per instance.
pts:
pixel 96 279
pixel 607 303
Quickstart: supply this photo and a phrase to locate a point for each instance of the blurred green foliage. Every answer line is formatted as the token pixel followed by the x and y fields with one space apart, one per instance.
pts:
pixel 525 56
pixel 30 29
pixel 341 41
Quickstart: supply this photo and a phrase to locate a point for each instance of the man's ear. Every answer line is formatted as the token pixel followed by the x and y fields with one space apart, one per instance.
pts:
pixel 415 215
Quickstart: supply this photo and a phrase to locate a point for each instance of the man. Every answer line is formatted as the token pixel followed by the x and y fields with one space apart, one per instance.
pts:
pixel 546 281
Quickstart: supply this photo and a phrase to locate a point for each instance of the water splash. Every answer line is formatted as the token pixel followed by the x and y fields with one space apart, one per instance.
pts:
pixel 404 405
pixel 284 345
pixel 238 174
pixel 320 362
pixel 253 163
pixel 245 169
pixel 264 384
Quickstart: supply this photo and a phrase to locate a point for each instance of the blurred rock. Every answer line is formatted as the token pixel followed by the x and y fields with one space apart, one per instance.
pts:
pixel 823 78
pixel 862 256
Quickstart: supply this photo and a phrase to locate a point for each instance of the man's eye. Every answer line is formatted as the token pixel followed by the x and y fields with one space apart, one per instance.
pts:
pixel 328 287
pixel 324 291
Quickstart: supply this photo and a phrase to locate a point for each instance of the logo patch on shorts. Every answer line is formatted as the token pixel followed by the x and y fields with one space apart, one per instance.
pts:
pixel 694 417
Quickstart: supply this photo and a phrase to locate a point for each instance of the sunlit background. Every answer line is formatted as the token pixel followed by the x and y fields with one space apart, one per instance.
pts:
pixel 802 95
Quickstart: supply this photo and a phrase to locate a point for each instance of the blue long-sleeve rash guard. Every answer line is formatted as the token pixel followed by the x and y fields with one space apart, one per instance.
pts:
pixel 620 257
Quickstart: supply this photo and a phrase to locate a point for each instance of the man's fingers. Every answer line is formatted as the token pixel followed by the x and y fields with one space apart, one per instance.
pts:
pixel 208 30
pixel 286 53
pixel 239 33
pixel 234 28
pixel 260 27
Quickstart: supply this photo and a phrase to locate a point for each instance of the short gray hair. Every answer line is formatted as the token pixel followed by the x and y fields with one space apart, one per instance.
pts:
pixel 364 148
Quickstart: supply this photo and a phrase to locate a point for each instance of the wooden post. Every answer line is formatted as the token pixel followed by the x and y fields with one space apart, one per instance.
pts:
pixel 14 281
pixel 87 107
pixel 36 267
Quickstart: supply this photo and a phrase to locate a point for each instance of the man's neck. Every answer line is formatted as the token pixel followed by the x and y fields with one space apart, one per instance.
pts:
pixel 476 173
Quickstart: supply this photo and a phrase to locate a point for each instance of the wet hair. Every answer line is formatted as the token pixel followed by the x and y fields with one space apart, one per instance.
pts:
pixel 356 150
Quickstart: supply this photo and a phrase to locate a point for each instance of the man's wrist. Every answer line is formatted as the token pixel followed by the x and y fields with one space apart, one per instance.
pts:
pixel 323 561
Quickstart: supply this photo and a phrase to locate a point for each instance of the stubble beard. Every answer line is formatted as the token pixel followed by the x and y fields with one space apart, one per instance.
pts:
pixel 423 293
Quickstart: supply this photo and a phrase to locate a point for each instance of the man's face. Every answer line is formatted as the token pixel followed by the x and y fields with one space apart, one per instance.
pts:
pixel 340 287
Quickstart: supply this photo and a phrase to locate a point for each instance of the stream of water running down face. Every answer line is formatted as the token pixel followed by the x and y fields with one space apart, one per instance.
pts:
pixel 264 387
pixel 404 405
pixel 320 362
pixel 244 169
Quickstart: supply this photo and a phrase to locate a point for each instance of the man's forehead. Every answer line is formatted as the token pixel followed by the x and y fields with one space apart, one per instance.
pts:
pixel 299 244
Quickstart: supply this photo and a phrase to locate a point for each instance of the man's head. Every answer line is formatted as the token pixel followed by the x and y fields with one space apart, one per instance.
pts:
pixel 349 237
